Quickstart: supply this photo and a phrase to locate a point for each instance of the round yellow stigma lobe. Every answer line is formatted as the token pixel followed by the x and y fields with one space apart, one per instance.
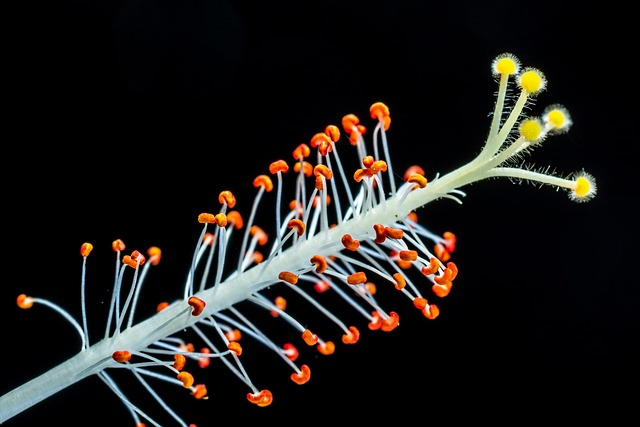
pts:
pixel 531 129
pixel 584 188
pixel 505 64
pixel 557 118
pixel 532 81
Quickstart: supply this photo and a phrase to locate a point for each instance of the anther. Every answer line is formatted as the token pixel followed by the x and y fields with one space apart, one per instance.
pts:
pixel 281 303
pixel 350 243
pixel 206 218
pixel 162 306
pixel 333 132
pixel 121 356
pixel 186 378
pixel 400 281
pixel 309 337
pixel 298 225
pixel 204 361
pixel 263 181
pixel 327 348
pixel 262 398
pixel 133 260
pixel 302 376
pixel 234 218
pixel 393 233
pixel 278 166
pixel 24 301
pixel 221 220
pixel 432 268
pixel 235 347
pixel 301 151
pixel 381 236
pixel 418 179
pixel 179 361
pixel 118 245
pixel 352 336
pixel 259 234
pixel 357 278
pixel 431 311
pixel 307 169
pixel 413 170
pixel 233 335
pixel 420 303
pixel 227 197
pixel 390 323
pixel 290 351
pixel 288 277
pixel 197 305
pixel 408 255
pixel 154 254
pixel 320 262
pixel 199 391
pixel 86 249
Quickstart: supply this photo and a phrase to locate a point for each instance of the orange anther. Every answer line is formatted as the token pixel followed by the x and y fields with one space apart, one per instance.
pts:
pixel 155 254
pixel 367 161
pixel 376 321
pixel 441 252
pixel 204 361
pixel 121 356
pixel 378 166
pixel 199 392
pixel 371 288
pixel 442 289
pixel 257 257
pixel 162 306
pixel 449 241
pixel 302 376
pixel 333 132
pixel 288 277
pixel 327 348
pixel 317 200
pixel 393 233
pixel 357 278
pixel 412 170
pixel 281 304
pixel 418 179
pixel 86 249
pixel 208 239
pixel 349 122
pixel 323 170
pixel 179 361
pixel 235 347
pixel 361 174
pixel 381 236
pixel 307 169
pixel 186 347
pixel 233 335
pixel 221 220
pixel 431 311
pixel 319 139
pixel 301 152
pixel 420 303
pixel 408 255
pixel 320 262
pixel 259 234
pixel 234 218
pixel 350 243
pixel 186 378
pixel 263 181
pixel 24 301
pixel 353 136
pixel 309 338
pixel 298 225
pixel 432 268
pixel 378 110
pixel 390 323
pixel 321 286
pixel 402 264
pixel 448 274
pixel 352 336
pixel 262 398
pixel 227 197
pixel 412 216
pixel 290 351
pixel 117 245
pixel 197 305
pixel 206 218
pixel 400 281
pixel 133 260
pixel 278 166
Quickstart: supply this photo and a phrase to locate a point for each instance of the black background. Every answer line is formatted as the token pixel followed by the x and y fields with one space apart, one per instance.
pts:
pixel 127 118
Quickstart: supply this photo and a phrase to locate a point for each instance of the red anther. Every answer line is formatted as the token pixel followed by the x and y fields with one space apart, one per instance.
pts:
pixel 133 260
pixel 186 378
pixel 141 425
pixel 420 303
pixel 301 152
pixel 298 225
pixel 393 233
pixel 309 338
pixel 418 179
pixel 400 281
pixel 221 220
pixel 278 166
pixel 320 262
pixel 206 218
pixel 86 249
pixel 262 398
pixel 357 278
pixel 449 241
pixel 361 174
pixel 179 361
pixel 378 166
pixel 431 311
pixel 24 301
pixel 352 336
pixel 290 351
pixel 367 161
pixel 391 322
pixel 378 110
pixel 307 169
pixel 350 243
pixel 288 277
pixel 233 335
pixel 381 236
pixel 199 392
pixel 227 197
pixel 235 347
pixel 333 132
pixel 376 321
pixel 121 356
pixel 234 218
pixel 281 303
pixel 197 305
pixel 327 348
pixel 259 234
pixel 408 255
pixel 118 245
pixel 441 252
pixel 321 286
pixel 349 122
pixel 412 170
pixel 204 361
pixel 263 181
pixel 319 139
pixel 155 254
pixel 432 268
pixel 302 376
pixel 162 306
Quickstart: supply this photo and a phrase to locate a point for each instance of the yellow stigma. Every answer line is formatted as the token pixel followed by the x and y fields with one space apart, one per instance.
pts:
pixel 556 118
pixel 532 81
pixel 531 130
pixel 583 186
pixel 506 66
